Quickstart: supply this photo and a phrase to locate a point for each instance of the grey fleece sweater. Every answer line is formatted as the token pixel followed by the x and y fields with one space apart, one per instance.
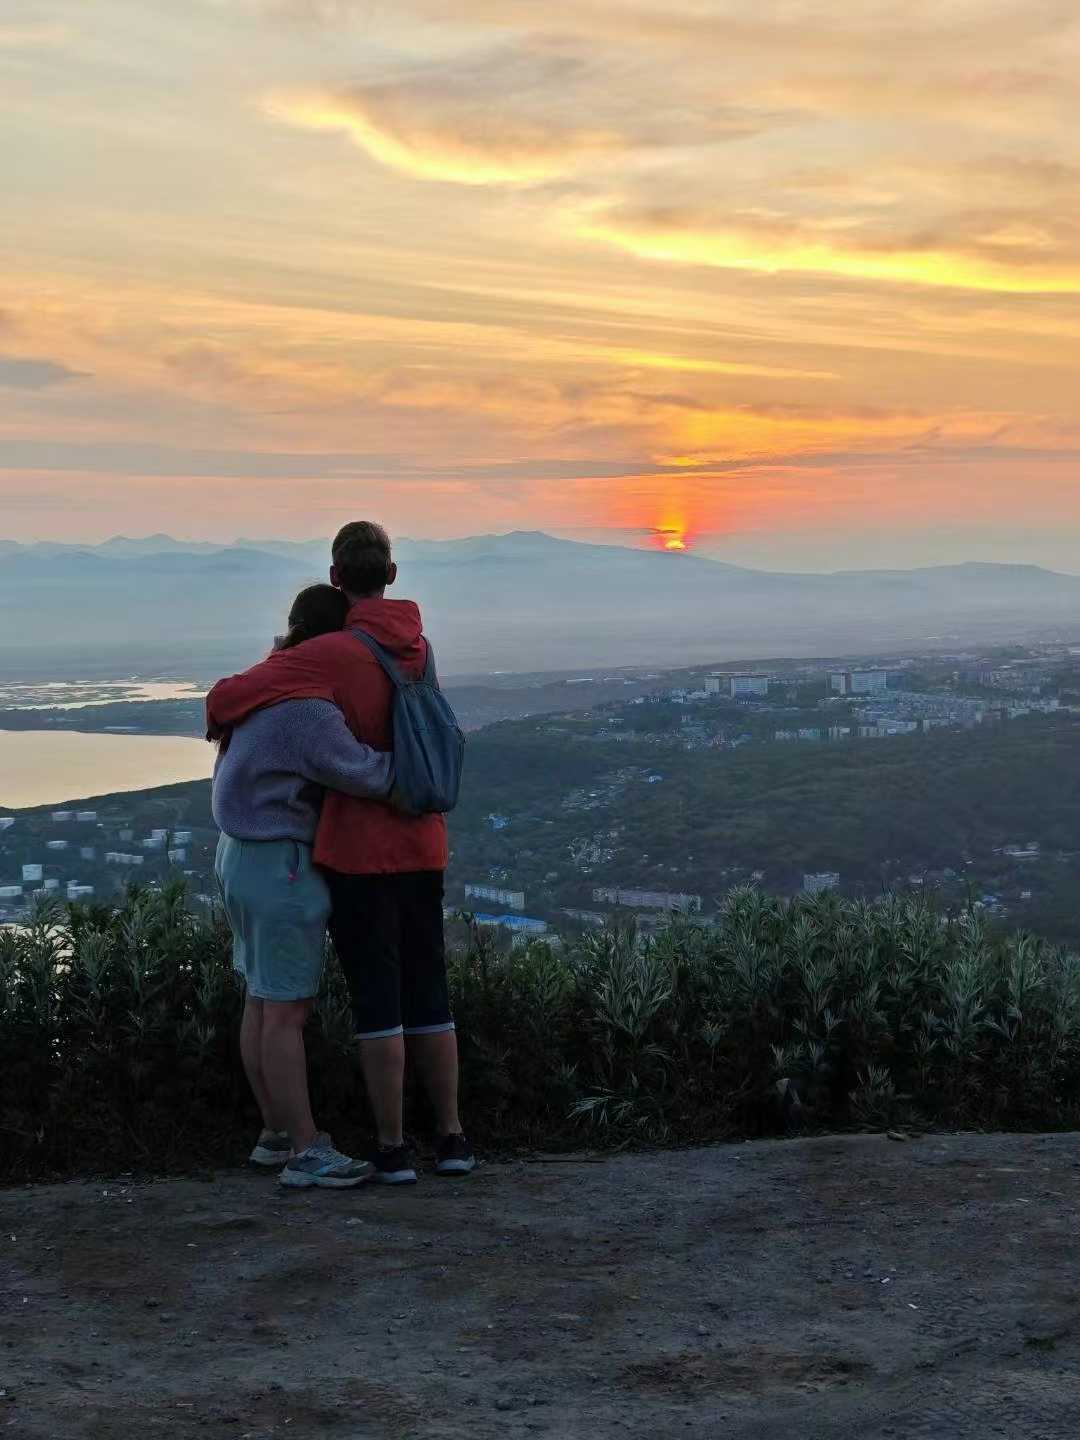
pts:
pixel 268 782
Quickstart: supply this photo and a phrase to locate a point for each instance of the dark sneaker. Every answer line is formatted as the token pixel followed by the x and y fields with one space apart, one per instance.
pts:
pixel 453 1155
pixel 393 1167
pixel 272 1150
pixel 320 1164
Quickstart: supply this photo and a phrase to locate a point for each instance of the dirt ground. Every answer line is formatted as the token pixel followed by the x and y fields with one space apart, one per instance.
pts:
pixel 841 1287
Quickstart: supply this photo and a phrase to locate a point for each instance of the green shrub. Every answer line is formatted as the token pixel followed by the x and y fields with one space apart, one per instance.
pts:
pixel 118 1033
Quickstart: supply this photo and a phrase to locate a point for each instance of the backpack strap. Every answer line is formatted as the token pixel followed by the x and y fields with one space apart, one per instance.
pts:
pixel 382 656
pixel 390 666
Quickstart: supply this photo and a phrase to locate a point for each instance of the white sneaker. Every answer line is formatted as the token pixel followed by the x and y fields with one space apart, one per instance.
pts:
pixel 321 1164
pixel 273 1149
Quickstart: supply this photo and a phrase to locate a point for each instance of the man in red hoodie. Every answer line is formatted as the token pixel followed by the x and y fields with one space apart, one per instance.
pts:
pixel 384 867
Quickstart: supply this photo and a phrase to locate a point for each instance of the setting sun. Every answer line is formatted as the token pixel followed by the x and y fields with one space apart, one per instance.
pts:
pixel 671 537
pixel 681 278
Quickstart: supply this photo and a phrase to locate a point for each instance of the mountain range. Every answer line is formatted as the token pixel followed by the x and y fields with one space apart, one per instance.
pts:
pixel 522 601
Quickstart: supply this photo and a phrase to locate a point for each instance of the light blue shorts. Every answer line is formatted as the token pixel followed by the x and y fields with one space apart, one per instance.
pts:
pixel 278 905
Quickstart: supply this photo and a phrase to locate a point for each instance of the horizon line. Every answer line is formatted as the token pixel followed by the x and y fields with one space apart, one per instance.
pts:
pixel 692 552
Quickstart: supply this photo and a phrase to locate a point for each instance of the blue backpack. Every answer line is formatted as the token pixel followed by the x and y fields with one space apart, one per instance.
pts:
pixel 429 747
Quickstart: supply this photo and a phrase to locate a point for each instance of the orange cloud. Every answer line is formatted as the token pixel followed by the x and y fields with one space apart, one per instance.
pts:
pixel 470 146
pixel 705 438
pixel 1010 260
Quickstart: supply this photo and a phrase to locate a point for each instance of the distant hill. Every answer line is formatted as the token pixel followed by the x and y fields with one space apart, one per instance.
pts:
pixel 523 601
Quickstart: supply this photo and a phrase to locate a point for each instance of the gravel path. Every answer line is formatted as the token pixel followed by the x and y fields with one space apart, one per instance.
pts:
pixel 840 1287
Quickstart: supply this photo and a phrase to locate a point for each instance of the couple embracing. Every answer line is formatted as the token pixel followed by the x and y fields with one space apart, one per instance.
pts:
pixel 316 832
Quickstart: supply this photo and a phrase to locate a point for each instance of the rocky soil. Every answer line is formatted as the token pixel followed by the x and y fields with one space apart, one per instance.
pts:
pixel 841 1287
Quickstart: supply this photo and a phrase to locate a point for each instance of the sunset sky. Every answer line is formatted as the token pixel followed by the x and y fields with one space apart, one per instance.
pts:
pixel 797 283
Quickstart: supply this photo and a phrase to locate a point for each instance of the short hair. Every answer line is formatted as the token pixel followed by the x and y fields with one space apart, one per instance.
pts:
pixel 361 554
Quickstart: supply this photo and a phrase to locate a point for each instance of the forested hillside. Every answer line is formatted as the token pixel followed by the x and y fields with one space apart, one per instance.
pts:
pixel 549 809
pixel 870 810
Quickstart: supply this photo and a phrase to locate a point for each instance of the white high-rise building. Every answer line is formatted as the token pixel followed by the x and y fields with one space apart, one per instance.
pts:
pixel 859 682
pixel 513 899
pixel 748 685
pixel 32 874
pixel 737 687
pixel 647 899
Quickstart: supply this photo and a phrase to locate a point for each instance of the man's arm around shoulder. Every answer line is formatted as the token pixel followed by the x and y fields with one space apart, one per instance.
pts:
pixel 306 672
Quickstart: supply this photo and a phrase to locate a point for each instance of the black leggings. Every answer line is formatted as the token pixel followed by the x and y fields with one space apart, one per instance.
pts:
pixel 388 934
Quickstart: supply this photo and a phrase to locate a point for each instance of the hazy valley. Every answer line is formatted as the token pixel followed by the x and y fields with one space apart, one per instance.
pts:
pixel 519 602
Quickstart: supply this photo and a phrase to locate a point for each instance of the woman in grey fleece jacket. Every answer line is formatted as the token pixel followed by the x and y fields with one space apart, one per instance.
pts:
pixel 267 793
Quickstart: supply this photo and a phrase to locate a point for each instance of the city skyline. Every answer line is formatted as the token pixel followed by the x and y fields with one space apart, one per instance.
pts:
pixel 800 288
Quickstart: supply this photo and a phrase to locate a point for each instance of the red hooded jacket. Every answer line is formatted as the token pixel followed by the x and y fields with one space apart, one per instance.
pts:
pixel 355 837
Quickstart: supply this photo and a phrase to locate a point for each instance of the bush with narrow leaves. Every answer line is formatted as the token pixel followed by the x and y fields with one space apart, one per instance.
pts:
pixel 118 1033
